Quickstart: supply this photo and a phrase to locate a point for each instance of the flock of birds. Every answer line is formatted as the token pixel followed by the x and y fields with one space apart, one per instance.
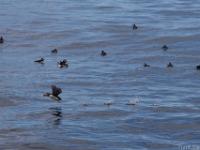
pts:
pixel 56 91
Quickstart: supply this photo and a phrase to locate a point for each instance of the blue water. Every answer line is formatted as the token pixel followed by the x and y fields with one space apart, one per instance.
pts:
pixel 167 110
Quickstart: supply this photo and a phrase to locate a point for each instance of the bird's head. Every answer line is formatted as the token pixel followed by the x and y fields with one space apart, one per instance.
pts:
pixel 46 94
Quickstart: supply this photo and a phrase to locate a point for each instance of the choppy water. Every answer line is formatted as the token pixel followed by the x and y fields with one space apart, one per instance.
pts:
pixel 168 112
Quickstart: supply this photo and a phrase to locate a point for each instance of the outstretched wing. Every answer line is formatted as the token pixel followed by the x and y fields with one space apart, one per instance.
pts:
pixel 55 90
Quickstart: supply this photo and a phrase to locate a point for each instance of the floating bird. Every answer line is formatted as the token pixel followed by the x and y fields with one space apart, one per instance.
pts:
pixel 103 53
pixel 41 60
pixel 165 47
pixel 63 63
pixel 198 67
pixel 55 92
pixel 54 51
pixel 1 40
pixel 146 65
pixel 170 65
pixel 135 27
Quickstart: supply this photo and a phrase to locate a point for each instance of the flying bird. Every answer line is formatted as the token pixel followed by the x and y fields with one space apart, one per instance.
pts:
pixel 63 63
pixel 55 93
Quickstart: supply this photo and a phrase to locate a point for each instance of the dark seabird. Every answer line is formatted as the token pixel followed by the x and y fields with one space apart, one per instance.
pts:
pixel 54 51
pixel 165 47
pixel 135 27
pixel 146 65
pixel 103 53
pixel 198 67
pixel 1 40
pixel 41 60
pixel 63 63
pixel 170 65
pixel 55 92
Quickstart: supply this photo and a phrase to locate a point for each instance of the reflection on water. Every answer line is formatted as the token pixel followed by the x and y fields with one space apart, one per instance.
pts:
pixel 57 115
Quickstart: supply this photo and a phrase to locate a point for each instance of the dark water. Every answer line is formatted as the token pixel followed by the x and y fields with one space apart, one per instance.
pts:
pixel 167 113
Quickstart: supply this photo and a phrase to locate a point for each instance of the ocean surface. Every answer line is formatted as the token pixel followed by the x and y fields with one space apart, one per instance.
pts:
pixel 166 114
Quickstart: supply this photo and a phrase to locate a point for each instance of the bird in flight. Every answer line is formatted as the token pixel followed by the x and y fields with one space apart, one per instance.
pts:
pixel 55 93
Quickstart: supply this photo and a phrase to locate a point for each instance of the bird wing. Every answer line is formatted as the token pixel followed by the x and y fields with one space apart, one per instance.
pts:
pixel 55 90
pixel 37 60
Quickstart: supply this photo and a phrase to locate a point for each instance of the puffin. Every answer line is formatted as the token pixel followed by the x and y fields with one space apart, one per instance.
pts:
pixel 165 47
pixel 54 51
pixel 146 65
pixel 135 27
pixel 198 67
pixel 170 65
pixel 63 63
pixel 55 93
pixel 103 53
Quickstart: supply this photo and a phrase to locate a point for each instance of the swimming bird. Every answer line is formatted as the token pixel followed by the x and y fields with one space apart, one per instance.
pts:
pixel 54 51
pixel 41 60
pixel 170 65
pixel 165 47
pixel 103 53
pixel 198 67
pixel 135 27
pixel 55 92
pixel 146 65
pixel 1 40
pixel 63 63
